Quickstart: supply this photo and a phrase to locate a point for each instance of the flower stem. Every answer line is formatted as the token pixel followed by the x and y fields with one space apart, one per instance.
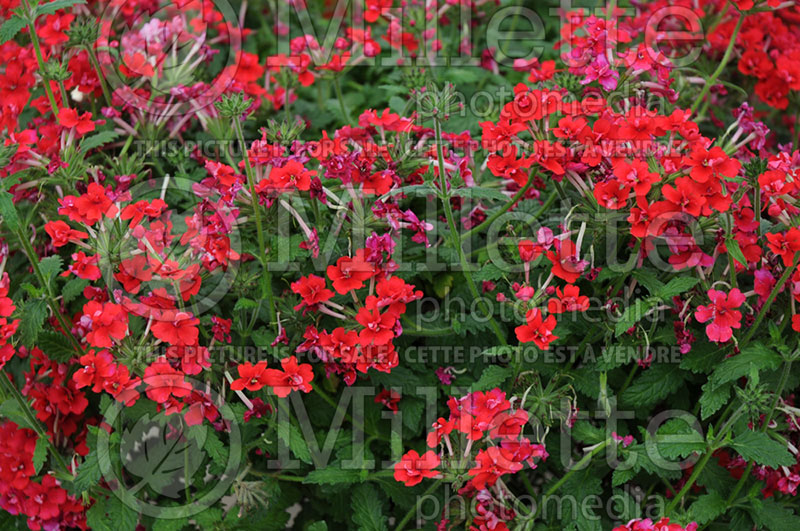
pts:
pixel 266 278
pixel 725 58
pixel 454 237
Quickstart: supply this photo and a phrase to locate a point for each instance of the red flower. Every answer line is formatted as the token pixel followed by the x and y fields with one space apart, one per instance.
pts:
pixel 251 377
pixel 713 163
pixel 785 245
pixel 82 124
pixel 163 381
pixel 293 377
pixel 84 266
pixel 389 399
pixel 61 233
pixel 569 300
pixel 349 273
pixel 566 264
pixel 176 328
pixel 538 330
pixel 97 368
pixel 291 175
pixel 313 292
pixel 138 210
pixel 490 465
pixel 378 327
pixel 413 468
pixel 107 321
pixel 722 313
pixel 89 207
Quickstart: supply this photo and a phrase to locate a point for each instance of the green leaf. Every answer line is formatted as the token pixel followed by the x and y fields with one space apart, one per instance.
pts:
pixel 493 376
pixel 89 474
pixel 215 449
pixel 677 286
pixel 11 410
pixel 73 288
pixel 317 526
pixel 653 385
pixel 10 28
pixel 676 438
pixel 51 266
pixel 482 193
pixel 98 139
pixel 775 517
pixel 368 509
pixel 52 7
pixel 34 312
pixel 648 279
pixel 713 398
pixel 39 454
pixel 707 508
pixel 56 346
pixel 293 438
pixel 332 475
pixel 111 514
pixel 752 357
pixel 735 251
pixel 633 314
pixel 761 448
pixel 244 303
pixel 9 211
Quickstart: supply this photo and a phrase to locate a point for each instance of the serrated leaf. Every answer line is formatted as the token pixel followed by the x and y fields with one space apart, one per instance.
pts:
pixel 653 385
pixel 775 517
pixel 677 286
pixel 11 410
pixel 368 509
pixel 98 139
pixel 735 251
pixel 762 449
pixel 9 211
pixel 33 314
pixel 707 508
pixel 676 438
pixel 317 526
pixel 482 193
pixel 713 398
pixel 10 28
pixel 39 454
pixel 56 5
pixel 332 475
pixel 755 356
pixel 648 279
pixel 293 438
pixel 244 303
pixel 633 314
pixel 492 376
pixel 73 288
pixel 51 266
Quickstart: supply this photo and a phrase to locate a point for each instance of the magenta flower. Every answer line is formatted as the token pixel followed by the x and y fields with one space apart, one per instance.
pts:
pixel 722 313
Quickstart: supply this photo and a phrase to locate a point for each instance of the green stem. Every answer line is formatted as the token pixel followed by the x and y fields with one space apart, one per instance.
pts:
pixel 456 240
pixel 725 58
pixel 34 423
pixel 345 113
pixel 40 60
pixel 55 307
pixel 266 278
pixel 578 466
pixel 410 513
pixel 690 482
pixel 413 330
pixel 502 211
pixel 769 301
pixel 96 65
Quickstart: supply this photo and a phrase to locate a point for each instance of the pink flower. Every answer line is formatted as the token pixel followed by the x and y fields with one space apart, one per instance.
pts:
pixel 722 313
